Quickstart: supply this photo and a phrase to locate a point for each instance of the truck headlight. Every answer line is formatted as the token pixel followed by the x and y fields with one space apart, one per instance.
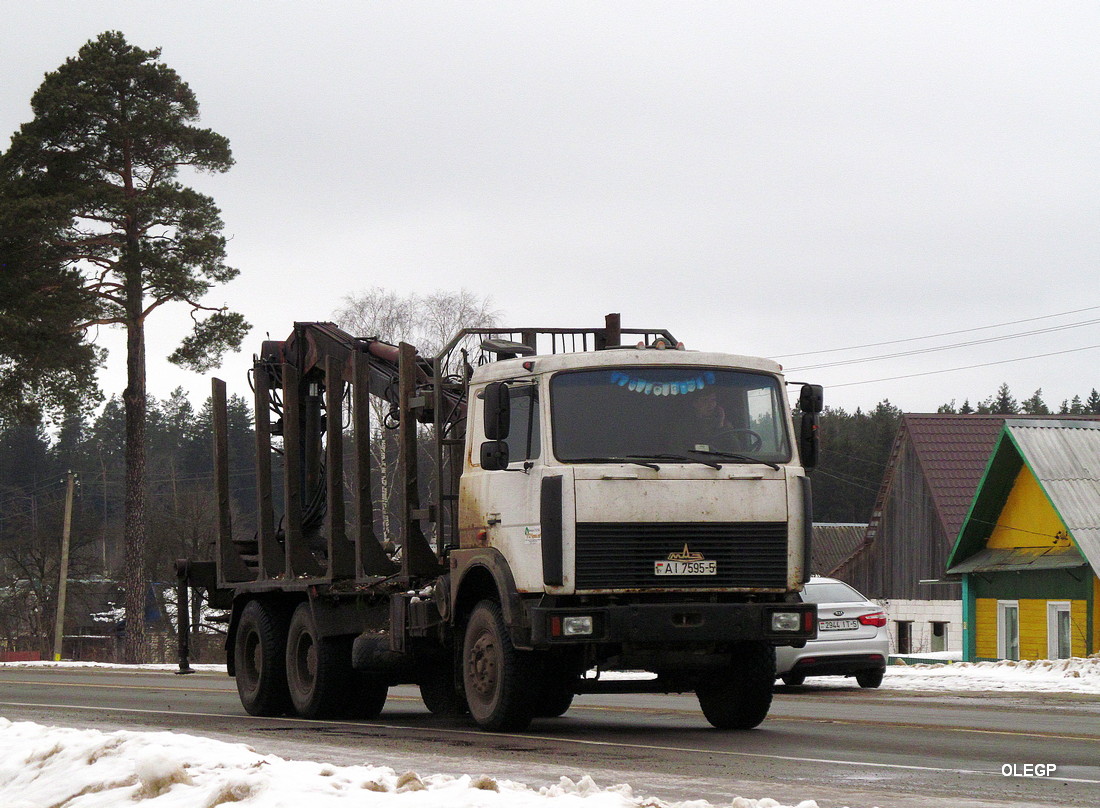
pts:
pixel 786 621
pixel 576 626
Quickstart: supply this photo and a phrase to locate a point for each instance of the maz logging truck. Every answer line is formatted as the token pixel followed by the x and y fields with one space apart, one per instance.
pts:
pixel 563 506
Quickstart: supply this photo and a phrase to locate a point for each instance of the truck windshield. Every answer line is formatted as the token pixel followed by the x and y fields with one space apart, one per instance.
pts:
pixel 654 412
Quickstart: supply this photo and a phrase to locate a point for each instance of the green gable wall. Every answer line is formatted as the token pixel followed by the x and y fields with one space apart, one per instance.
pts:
pixel 1075 584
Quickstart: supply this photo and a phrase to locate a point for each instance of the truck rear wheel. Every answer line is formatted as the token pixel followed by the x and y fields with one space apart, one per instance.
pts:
pixel 259 657
pixel 740 695
pixel 494 672
pixel 317 673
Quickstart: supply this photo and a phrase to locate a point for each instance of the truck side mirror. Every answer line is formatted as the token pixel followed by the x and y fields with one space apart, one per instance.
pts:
pixel 494 455
pixel 809 444
pixel 498 408
pixel 811 398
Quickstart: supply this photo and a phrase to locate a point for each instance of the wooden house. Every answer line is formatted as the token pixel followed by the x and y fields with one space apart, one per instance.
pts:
pixel 1028 550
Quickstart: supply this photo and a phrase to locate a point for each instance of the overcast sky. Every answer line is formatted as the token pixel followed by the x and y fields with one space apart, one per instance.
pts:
pixel 760 178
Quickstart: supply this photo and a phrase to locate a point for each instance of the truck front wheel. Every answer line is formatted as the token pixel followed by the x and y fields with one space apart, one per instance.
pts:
pixel 740 695
pixel 259 652
pixel 494 672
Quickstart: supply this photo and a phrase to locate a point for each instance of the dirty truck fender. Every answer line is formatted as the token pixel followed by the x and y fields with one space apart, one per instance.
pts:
pixel 483 573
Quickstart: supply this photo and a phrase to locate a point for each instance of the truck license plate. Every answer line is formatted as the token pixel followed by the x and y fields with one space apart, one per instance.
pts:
pixel 685 567
pixel 837 625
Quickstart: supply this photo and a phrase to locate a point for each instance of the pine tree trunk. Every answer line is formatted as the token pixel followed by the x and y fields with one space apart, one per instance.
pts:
pixel 134 579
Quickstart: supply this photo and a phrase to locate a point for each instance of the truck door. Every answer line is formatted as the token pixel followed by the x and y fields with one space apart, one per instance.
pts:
pixel 505 503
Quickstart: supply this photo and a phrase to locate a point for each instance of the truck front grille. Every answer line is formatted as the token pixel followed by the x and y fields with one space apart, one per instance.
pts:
pixel 620 555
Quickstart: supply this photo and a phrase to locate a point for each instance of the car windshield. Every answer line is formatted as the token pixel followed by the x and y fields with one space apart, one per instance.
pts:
pixel 830 592
pixel 674 414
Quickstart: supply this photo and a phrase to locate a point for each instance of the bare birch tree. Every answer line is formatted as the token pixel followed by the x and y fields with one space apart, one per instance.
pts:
pixel 426 321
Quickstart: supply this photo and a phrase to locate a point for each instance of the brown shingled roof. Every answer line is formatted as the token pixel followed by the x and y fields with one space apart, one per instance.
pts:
pixel 953 451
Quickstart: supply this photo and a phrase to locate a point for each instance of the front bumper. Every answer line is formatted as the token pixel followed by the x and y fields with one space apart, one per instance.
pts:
pixel 692 623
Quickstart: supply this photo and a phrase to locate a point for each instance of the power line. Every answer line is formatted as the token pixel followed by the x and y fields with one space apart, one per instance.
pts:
pixel 967 367
pixel 847 479
pixel 933 349
pixel 934 336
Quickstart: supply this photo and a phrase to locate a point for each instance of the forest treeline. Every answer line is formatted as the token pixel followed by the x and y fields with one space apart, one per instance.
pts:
pixel 855 447
pixel 33 470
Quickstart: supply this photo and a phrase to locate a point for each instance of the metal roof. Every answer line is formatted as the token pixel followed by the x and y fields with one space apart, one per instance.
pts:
pixel 1064 456
pixel 832 543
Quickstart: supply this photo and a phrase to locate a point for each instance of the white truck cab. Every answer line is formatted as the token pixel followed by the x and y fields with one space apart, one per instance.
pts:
pixel 675 470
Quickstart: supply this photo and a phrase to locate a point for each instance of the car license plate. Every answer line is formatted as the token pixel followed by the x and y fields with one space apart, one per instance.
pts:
pixel 685 567
pixel 837 625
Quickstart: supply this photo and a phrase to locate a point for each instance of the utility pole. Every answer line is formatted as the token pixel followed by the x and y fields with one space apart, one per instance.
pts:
pixel 59 625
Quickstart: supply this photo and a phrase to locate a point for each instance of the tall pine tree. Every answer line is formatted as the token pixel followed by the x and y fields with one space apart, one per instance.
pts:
pixel 96 172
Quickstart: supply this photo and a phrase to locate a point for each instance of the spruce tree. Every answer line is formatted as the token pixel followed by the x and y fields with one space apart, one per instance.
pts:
pixel 1004 403
pixel 96 171
pixel 1035 404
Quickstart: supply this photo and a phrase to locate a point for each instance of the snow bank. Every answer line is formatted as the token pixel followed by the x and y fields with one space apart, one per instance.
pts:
pixel 1078 675
pixel 41 766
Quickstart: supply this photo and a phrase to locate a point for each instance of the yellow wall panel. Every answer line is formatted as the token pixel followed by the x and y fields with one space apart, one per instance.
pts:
pixel 1027 519
pixel 1095 615
pixel 985 626
pixel 1079 620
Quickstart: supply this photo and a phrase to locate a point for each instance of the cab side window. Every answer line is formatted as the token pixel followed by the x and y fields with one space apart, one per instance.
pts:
pixel 523 436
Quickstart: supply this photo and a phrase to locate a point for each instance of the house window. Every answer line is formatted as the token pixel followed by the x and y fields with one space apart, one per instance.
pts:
pixel 1008 629
pixel 939 636
pixel 905 636
pixel 1059 630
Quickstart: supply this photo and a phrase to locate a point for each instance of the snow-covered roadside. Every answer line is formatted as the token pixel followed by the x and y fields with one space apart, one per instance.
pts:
pixel 213 668
pixel 46 766
pixel 1076 675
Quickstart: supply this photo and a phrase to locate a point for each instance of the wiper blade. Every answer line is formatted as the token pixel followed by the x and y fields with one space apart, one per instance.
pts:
pixel 685 459
pixel 635 460
pixel 733 456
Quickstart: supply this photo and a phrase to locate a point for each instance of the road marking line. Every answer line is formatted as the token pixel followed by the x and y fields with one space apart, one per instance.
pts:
pixel 554 739
pixel 652 711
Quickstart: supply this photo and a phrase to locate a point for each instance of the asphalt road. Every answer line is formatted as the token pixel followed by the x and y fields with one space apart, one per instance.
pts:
pixel 840 747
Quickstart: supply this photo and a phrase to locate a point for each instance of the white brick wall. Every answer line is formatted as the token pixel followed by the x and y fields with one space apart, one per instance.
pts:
pixel 923 613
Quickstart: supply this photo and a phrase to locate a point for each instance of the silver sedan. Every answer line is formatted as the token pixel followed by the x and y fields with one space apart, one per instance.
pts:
pixel 852 638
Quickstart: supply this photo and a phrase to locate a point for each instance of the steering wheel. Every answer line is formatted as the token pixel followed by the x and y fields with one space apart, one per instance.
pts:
pixel 743 439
